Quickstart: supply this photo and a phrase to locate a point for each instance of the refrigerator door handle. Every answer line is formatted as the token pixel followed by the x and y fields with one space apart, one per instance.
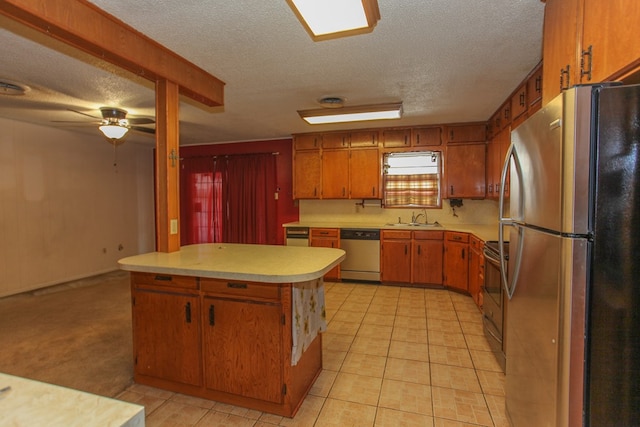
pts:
pixel 509 222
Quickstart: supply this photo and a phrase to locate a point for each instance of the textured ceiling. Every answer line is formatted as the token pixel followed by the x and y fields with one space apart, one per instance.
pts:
pixel 446 60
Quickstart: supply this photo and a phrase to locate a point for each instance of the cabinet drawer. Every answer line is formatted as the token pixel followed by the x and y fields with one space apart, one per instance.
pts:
pixel 324 232
pixel 158 279
pixel 428 235
pixel 457 237
pixel 396 234
pixel 476 243
pixel 250 290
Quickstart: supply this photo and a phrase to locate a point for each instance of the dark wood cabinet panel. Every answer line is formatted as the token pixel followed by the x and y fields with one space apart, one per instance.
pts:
pixel 426 136
pixel 364 174
pixel 465 169
pixel 456 261
pixel 335 174
pixel 307 175
pixel 396 138
pixel 466 133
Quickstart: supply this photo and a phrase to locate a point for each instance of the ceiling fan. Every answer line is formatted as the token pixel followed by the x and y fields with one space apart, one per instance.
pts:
pixel 114 123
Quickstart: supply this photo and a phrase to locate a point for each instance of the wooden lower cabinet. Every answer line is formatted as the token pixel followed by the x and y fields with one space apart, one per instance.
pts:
pixel 476 269
pixel 326 238
pixel 456 260
pixel 242 345
pixel 220 340
pixel 411 257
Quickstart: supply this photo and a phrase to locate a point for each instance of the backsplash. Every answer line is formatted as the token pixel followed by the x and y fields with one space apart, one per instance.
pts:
pixel 341 211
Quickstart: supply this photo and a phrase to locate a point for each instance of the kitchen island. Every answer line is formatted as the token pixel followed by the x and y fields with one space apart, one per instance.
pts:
pixel 231 322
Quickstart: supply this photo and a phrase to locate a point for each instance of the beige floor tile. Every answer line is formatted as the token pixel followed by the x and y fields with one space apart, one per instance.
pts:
pixel 497 411
pixel 373 346
pixel 449 339
pixel 150 403
pixel 450 356
pixel 329 314
pixel 477 342
pixel 413 371
pixel 443 325
pixel 356 388
pixel 307 414
pixel 472 328
pixel 410 322
pixel 216 419
pixel 344 328
pixel 406 397
pixel 359 299
pixel 237 410
pixel 386 417
pixel 364 364
pixel 268 420
pixel 387 292
pixel 468 316
pixel 485 360
pixel 336 342
pixel 444 314
pixel 151 391
pixel 339 413
pixel 375 331
pixel 466 305
pixel 348 316
pixel 322 386
pixel 379 319
pixel 171 414
pixel 457 377
pixel 439 305
pixel 411 303
pixel 358 307
pixel 382 309
pixel 193 401
pixel 491 382
pixel 442 422
pixel 460 405
pixel 332 360
pixel 409 350
pixel 415 312
pixel 409 334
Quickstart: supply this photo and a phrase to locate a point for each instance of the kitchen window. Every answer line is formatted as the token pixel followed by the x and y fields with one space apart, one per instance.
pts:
pixel 412 179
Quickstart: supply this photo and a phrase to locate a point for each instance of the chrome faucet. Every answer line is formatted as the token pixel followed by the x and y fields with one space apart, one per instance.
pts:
pixel 414 217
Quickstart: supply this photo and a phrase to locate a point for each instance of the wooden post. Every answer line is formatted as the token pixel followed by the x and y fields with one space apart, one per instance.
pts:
pixel 167 167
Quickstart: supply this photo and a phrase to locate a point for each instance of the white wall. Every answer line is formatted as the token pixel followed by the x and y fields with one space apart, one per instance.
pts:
pixel 65 208
pixel 344 211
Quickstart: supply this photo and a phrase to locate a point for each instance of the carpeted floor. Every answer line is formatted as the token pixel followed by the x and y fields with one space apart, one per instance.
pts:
pixel 76 334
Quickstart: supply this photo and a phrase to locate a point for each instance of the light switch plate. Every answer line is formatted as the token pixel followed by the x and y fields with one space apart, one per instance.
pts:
pixel 174 226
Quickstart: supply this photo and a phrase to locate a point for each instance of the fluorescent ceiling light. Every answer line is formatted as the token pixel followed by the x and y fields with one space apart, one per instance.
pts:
pixel 113 131
pixel 352 114
pixel 326 19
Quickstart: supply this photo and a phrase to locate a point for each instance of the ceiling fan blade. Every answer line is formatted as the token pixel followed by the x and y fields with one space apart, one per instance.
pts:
pixel 140 120
pixel 76 121
pixel 84 114
pixel 143 129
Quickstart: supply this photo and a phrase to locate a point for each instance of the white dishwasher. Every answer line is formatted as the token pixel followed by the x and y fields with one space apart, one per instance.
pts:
pixel 297 236
pixel 362 260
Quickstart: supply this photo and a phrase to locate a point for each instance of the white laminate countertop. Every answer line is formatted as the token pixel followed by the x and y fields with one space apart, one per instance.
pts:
pixel 483 231
pixel 233 261
pixel 34 403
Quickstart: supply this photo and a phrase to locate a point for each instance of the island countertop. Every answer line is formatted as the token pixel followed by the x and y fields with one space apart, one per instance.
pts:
pixel 233 261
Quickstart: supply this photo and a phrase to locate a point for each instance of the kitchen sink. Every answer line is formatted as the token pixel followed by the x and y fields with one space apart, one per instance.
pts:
pixel 414 224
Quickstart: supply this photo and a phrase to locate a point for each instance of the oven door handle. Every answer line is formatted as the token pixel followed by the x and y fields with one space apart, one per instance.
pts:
pixel 497 338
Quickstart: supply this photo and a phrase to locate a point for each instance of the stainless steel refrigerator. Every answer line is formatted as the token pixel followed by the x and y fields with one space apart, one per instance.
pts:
pixel 572 216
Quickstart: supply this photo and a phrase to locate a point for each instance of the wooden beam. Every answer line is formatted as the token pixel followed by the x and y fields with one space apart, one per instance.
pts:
pixel 86 27
pixel 167 167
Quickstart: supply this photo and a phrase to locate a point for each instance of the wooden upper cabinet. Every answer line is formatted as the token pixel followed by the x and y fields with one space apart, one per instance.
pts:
pixel 364 174
pixel 465 166
pixel 426 136
pixel 307 174
pixel 335 174
pixel 610 30
pixel 534 88
pixel 307 141
pixel 396 138
pixel 364 139
pixel 518 102
pixel 559 47
pixel 466 133
pixel 336 140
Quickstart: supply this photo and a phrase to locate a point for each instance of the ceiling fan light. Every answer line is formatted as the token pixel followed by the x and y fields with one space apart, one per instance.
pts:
pixel 113 131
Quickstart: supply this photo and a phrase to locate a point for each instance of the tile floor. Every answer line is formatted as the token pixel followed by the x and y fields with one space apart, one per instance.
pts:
pixel 392 356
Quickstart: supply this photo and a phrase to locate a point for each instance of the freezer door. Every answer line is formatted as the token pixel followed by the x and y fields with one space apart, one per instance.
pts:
pixel 532 328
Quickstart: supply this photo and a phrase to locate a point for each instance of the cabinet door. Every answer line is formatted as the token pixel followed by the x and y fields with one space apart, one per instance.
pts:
pixel 395 257
pixel 456 264
pixel 466 133
pixel 335 174
pixel 307 141
pixel 335 140
pixel 427 261
pixel 476 275
pixel 466 171
pixel 364 139
pixel 166 336
pixel 559 46
pixel 242 348
pixel 611 29
pixel 427 136
pixel 327 238
pixel 519 102
pixel 396 138
pixel 534 90
pixel 307 174
pixel 364 174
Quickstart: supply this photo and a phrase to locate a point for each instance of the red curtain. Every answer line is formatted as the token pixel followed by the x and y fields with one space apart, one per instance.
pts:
pixel 229 199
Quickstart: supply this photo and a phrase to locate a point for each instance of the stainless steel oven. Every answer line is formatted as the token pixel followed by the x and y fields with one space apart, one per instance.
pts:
pixel 494 301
